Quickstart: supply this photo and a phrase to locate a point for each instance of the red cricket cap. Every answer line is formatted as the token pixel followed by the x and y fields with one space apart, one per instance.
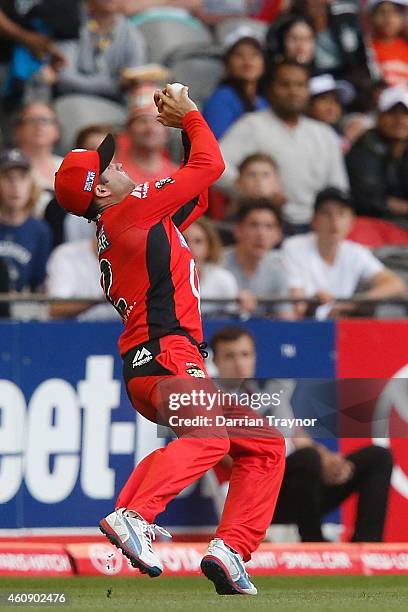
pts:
pixel 78 176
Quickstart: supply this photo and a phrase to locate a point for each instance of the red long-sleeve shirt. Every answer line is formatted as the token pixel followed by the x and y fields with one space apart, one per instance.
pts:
pixel 147 270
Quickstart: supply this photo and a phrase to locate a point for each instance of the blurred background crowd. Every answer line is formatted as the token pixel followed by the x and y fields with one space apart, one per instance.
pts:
pixel 308 99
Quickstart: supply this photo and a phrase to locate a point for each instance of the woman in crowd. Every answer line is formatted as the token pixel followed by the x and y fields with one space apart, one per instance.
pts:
pixel 340 48
pixel 215 281
pixel 25 242
pixel 238 92
pixel 293 38
pixel 37 133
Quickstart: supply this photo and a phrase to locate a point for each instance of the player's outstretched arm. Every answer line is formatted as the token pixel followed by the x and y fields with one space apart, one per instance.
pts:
pixel 190 211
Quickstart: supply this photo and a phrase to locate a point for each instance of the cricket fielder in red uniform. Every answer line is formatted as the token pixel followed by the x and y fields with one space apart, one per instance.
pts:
pixel 149 276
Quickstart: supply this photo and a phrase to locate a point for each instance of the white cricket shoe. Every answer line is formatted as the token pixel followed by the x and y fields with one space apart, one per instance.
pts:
pixel 226 570
pixel 133 536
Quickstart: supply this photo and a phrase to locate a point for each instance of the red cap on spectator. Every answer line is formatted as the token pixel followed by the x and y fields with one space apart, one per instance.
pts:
pixel 78 176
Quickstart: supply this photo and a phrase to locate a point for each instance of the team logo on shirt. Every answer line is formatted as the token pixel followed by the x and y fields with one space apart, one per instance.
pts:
pixel 141 191
pixel 103 242
pixel 141 357
pixel 90 179
pixel 163 182
pixel 195 371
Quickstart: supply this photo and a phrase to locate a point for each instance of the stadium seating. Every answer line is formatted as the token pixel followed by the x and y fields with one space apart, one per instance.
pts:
pixel 75 112
pixel 162 40
pixel 227 26
pixel 202 72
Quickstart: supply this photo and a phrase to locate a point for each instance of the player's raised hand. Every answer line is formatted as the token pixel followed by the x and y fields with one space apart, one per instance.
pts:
pixel 173 105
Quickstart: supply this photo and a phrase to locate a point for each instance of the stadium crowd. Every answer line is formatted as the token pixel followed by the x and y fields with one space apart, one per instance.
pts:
pixel 308 99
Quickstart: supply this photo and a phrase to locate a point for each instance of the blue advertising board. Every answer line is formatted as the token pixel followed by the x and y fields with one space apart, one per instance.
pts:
pixel 69 437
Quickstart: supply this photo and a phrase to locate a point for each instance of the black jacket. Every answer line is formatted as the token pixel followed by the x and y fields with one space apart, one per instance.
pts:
pixel 375 174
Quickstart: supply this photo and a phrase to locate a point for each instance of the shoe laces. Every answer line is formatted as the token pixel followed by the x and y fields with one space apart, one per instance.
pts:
pixel 151 531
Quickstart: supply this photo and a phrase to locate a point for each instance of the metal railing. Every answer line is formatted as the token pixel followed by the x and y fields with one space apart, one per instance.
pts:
pixel 38 298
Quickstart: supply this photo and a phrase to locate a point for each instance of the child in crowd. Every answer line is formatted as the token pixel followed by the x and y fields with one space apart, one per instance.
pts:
pixel 387 21
pixel 25 242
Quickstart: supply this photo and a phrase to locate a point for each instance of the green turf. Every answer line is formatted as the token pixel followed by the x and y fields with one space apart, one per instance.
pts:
pixel 354 594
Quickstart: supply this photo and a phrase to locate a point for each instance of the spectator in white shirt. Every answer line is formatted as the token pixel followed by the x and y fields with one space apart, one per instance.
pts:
pixel 215 281
pixel 306 151
pixel 73 272
pixel 323 264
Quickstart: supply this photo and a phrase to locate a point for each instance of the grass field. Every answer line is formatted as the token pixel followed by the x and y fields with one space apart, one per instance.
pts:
pixel 385 593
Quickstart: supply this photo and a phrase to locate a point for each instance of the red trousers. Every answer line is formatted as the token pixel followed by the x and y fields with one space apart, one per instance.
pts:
pixel 258 453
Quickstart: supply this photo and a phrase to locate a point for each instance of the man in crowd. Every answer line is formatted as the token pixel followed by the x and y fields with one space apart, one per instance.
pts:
pixel 316 480
pixel 378 161
pixel 325 265
pixel 259 178
pixel 108 43
pixel 256 267
pixel 307 152
pixel 143 149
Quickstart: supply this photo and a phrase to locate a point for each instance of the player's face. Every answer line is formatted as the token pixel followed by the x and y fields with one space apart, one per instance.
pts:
pixel 300 43
pixel 198 242
pixel 333 221
pixel 147 134
pixel 245 62
pixel 258 233
pixel 117 180
pixel 15 188
pixel 259 179
pixel 236 359
pixel 289 92
pixel 38 127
